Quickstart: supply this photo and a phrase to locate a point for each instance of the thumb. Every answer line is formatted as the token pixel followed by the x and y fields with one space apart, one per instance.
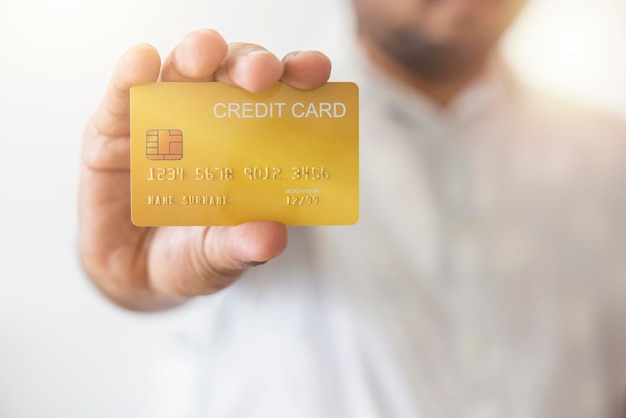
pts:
pixel 185 262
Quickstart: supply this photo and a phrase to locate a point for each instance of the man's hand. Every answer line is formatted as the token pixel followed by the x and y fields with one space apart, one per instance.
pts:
pixel 156 268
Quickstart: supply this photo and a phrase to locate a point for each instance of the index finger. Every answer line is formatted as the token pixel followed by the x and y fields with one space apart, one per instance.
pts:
pixel 140 64
pixel 105 141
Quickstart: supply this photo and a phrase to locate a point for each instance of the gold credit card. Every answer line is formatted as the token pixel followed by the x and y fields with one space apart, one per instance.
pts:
pixel 213 154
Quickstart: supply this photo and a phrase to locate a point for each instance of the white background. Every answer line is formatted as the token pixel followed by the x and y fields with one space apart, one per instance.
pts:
pixel 64 351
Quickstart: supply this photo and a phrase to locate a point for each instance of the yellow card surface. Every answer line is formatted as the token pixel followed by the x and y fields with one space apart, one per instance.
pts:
pixel 213 154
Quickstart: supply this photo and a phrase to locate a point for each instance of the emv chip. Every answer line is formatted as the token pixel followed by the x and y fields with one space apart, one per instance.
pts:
pixel 164 144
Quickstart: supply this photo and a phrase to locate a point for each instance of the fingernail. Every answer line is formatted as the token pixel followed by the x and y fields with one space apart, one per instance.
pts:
pixel 293 54
pixel 255 51
pixel 253 263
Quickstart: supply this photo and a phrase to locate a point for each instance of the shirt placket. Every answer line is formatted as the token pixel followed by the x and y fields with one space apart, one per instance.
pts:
pixel 465 276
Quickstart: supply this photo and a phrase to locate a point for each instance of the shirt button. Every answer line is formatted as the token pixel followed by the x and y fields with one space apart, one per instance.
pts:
pixel 484 409
pixel 476 348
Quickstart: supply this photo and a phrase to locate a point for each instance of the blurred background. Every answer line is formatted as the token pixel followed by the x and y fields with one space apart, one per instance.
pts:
pixel 64 351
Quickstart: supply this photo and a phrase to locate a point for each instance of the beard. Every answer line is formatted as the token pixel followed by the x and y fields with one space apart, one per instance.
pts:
pixel 432 60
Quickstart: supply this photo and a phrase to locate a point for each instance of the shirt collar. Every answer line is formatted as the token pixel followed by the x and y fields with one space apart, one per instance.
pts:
pixel 413 108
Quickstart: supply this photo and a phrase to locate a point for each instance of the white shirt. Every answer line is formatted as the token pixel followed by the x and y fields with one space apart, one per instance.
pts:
pixel 485 278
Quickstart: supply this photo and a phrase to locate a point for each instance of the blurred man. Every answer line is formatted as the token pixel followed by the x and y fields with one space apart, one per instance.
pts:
pixel 484 279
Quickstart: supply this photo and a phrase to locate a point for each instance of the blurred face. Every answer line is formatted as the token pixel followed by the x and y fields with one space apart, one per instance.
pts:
pixel 435 39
